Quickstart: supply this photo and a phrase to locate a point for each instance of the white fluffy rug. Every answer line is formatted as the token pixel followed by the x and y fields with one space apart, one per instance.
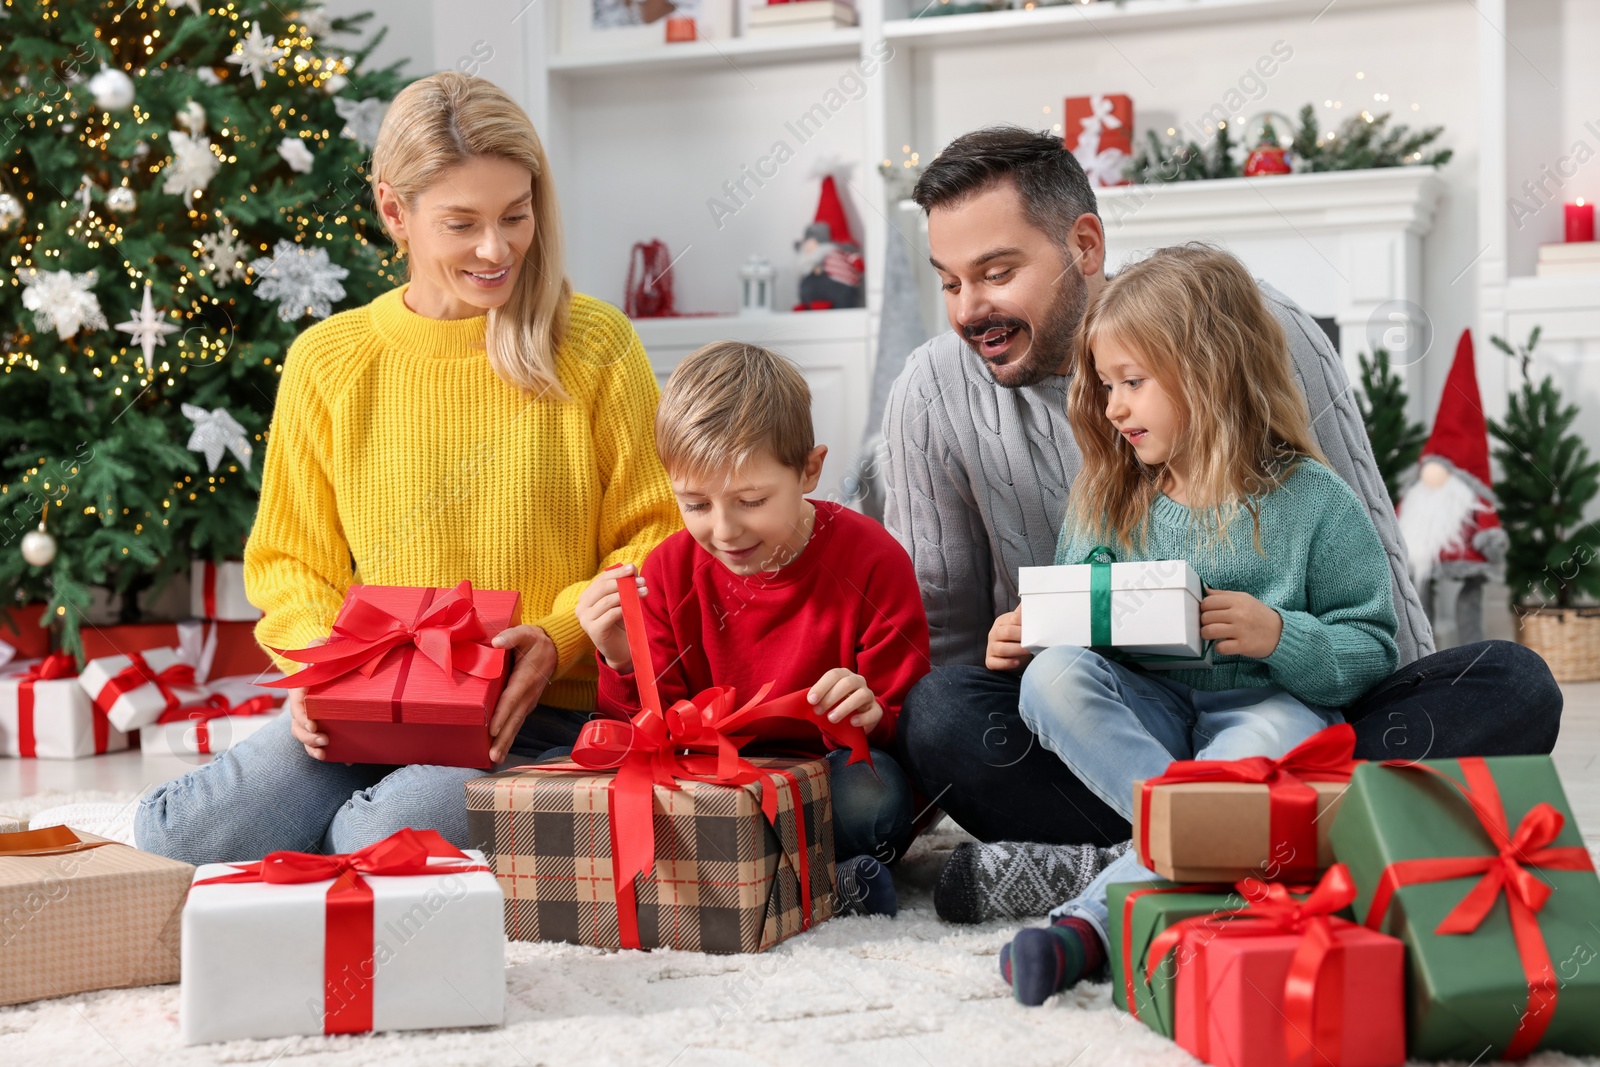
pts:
pixel 867 992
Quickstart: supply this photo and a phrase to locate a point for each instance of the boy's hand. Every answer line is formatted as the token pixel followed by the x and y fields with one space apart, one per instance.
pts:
pixel 1005 652
pixel 600 614
pixel 1240 624
pixel 842 692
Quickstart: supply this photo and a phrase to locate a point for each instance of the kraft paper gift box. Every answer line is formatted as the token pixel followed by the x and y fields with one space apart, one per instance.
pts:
pixel 1477 865
pixel 1147 612
pixel 234 709
pixel 402 935
pixel 408 675
pixel 79 912
pixel 1224 820
pixel 226 649
pixel 136 689
pixel 216 591
pixel 45 714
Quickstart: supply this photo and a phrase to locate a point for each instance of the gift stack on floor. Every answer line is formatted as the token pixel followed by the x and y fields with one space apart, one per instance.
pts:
pixel 1314 910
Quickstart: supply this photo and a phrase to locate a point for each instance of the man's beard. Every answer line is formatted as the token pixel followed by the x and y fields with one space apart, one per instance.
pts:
pixel 1434 521
pixel 1047 347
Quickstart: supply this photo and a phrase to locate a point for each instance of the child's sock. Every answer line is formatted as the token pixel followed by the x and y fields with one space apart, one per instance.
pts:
pixel 1010 880
pixel 1039 963
pixel 866 888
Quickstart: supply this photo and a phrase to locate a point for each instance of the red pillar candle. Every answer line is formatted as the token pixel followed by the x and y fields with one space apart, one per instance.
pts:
pixel 1580 221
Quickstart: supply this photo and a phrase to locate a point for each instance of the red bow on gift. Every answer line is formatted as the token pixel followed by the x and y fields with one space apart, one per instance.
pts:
pixel 53 668
pixel 697 740
pixel 1505 871
pixel 1313 992
pixel 137 674
pixel 1326 756
pixel 348 966
pixel 216 706
pixel 449 632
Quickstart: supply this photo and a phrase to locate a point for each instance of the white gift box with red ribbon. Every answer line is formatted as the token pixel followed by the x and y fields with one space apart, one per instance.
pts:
pixel 216 591
pixel 45 714
pixel 136 689
pixel 234 709
pixel 308 944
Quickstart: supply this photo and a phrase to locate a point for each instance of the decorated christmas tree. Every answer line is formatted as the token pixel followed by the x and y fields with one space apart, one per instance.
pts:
pixel 183 190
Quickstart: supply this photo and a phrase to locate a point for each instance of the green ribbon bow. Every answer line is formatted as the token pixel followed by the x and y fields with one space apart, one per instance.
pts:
pixel 1100 559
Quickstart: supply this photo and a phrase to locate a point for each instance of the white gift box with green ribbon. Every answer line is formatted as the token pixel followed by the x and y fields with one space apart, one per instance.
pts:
pixel 1145 613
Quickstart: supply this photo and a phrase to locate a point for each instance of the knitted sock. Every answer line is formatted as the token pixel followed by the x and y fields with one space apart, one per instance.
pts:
pixel 1010 880
pixel 866 888
pixel 1039 963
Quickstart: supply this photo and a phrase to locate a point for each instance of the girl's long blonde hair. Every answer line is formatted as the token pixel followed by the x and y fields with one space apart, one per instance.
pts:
pixel 1200 327
pixel 443 121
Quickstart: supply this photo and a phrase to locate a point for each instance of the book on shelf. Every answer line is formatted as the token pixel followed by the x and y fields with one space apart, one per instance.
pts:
pixel 1568 259
pixel 799 15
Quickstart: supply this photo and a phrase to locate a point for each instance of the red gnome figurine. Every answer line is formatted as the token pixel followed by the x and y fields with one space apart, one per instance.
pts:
pixel 1447 512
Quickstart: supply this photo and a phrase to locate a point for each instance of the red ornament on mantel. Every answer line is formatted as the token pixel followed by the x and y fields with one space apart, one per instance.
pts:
pixel 1580 221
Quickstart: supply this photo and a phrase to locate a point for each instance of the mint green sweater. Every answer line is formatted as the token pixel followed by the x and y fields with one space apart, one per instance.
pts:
pixel 1325 571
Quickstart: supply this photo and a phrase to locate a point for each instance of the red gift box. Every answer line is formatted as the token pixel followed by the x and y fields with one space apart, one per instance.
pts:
pixel 1098 131
pixel 1283 983
pixel 408 675
pixel 237 652
pixel 19 628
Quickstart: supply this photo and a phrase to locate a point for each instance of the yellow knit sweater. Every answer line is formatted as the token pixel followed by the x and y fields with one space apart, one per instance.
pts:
pixel 398 457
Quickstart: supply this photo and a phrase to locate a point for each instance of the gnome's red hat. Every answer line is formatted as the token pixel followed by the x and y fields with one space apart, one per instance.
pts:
pixel 1460 435
pixel 830 210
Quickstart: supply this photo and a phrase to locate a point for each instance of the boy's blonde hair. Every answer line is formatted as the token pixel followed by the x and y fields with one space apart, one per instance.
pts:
pixel 729 401
pixel 1201 328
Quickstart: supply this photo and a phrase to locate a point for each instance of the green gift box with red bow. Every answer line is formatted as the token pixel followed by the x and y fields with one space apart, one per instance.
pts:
pixel 1477 865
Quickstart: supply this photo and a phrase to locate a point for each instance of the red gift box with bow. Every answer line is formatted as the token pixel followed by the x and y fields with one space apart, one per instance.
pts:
pixel 408 674
pixel 1282 982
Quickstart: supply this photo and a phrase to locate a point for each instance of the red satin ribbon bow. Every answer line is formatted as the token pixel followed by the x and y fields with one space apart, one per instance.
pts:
pixel 1313 992
pixel 216 706
pixel 697 740
pixel 1325 756
pixel 448 631
pixel 1505 871
pixel 348 965
pixel 139 673
pixel 54 667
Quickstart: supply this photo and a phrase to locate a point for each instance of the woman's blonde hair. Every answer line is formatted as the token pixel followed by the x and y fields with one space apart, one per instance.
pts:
pixel 1198 324
pixel 443 121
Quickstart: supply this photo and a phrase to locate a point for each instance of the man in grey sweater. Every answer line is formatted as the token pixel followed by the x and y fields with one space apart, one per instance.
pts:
pixel 981 458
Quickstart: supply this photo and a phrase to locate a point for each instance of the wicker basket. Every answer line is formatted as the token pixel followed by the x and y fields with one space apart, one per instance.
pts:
pixel 1567 638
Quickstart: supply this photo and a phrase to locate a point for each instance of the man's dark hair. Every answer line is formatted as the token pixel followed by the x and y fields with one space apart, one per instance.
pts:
pixel 1050 181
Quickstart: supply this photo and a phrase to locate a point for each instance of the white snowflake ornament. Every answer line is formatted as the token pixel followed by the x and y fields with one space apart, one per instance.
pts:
pixel 207 75
pixel 302 280
pixel 192 117
pixel 112 89
pixel 296 154
pixel 62 301
pixel 193 164
pixel 362 119
pixel 216 432
pixel 222 256
pixel 147 327
pixel 257 54
pixel 315 21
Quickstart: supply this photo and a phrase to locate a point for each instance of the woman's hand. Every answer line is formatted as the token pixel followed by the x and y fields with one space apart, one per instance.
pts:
pixel 842 692
pixel 1005 651
pixel 600 614
pixel 534 661
pixel 304 730
pixel 1240 625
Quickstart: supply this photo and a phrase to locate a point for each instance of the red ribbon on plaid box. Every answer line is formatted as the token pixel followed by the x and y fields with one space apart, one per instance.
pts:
pixel 697 740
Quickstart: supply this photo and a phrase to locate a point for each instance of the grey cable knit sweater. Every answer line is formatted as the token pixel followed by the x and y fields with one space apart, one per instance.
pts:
pixel 978 477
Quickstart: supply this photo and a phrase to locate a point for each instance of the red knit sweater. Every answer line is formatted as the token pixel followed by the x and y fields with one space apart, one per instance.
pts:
pixel 849 600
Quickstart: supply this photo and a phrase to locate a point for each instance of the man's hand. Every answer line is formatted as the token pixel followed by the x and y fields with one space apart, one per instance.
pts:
pixel 534 660
pixel 600 614
pixel 842 692
pixel 1005 652
pixel 1240 625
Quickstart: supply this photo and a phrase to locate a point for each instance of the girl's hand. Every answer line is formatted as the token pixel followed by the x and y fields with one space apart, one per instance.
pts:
pixel 1005 651
pixel 1240 625
pixel 842 692
pixel 600 614
pixel 534 659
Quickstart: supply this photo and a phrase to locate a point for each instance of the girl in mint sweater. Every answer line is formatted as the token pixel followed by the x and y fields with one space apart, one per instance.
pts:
pixel 1197 445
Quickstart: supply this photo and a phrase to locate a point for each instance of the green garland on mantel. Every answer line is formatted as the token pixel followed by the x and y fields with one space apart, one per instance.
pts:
pixel 1361 143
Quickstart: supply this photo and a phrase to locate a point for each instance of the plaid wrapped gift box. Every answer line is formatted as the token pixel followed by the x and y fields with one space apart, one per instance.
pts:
pixel 726 879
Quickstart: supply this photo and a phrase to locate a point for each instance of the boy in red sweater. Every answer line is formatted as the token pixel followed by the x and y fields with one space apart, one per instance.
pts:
pixel 766 585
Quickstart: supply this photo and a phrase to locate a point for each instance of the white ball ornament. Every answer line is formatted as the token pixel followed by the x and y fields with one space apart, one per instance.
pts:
pixel 112 89
pixel 121 199
pixel 10 212
pixel 38 547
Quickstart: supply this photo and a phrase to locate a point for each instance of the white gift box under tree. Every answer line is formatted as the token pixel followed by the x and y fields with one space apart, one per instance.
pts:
pixel 216 592
pixel 1154 609
pixel 52 718
pixel 205 732
pixel 256 963
pixel 138 704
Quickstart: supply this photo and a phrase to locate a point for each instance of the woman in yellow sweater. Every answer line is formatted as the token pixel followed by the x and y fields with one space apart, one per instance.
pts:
pixel 483 422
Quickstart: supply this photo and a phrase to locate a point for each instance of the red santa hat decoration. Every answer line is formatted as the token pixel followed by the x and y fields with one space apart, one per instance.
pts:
pixel 1447 512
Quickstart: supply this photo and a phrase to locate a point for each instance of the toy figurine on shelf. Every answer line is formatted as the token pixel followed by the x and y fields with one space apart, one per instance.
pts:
pixel 830 264
pixel 1267 152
